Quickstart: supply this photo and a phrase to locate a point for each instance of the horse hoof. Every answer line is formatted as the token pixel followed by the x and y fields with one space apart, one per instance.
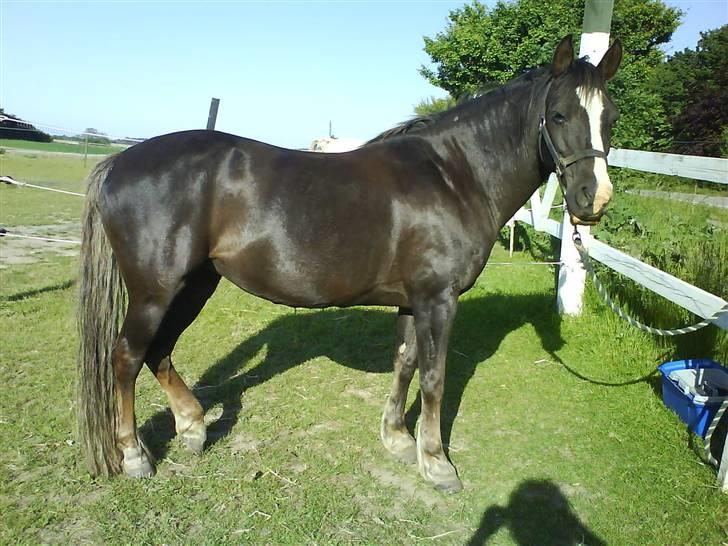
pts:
pixel 194 438
pixel 138 467
pixel 195 443
pixel 440 473
pixel 408 455
pixel 400 444
pixel 450 485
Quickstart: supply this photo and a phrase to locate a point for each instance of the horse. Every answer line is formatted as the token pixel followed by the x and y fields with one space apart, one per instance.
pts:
pixel 407 220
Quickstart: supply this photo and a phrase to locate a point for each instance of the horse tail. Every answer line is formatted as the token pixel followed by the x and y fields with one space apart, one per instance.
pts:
pixel 101 306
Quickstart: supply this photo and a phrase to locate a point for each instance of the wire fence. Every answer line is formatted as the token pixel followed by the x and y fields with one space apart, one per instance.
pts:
pixel 64 130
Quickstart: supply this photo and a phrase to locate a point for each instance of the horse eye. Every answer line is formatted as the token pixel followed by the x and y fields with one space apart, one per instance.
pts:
pixel 558 118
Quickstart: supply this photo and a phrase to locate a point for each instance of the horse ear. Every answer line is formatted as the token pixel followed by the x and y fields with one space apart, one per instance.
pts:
pixel 563 56
pixel 610 62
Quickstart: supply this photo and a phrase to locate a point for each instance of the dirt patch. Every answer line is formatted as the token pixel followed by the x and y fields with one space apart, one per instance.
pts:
pixel 17 250
pixel 76 531
pixel 244 443
pixel 409 486
pixel 365 395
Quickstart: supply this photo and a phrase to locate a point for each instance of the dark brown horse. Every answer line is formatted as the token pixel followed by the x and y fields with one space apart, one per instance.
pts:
pixel 408 221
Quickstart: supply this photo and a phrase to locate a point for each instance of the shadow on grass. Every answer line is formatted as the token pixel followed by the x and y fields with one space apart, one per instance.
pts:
pixel 362 339
pixel 37 291
pixel 538 512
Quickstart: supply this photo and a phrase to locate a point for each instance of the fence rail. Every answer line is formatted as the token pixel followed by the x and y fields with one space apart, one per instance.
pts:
pixel 684 294
pixel 711 169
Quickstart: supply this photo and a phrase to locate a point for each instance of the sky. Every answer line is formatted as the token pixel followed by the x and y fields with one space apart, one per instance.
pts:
pixel 281 69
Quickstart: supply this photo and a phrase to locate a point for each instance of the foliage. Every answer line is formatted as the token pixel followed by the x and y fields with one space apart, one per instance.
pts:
pixel 693 88
pixel 94 136
pixel 482 45
pixel 433 105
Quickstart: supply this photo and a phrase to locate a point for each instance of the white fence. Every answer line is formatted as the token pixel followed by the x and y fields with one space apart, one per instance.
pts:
pixel 686 295
pixel 692 298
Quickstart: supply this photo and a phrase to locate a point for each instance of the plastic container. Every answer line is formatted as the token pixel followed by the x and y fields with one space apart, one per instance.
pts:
pixel 694 389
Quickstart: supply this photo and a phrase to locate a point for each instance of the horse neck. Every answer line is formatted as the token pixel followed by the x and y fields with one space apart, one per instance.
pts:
pixel 499 137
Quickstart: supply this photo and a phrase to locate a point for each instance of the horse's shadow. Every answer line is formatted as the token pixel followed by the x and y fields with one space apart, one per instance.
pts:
pixel 481 325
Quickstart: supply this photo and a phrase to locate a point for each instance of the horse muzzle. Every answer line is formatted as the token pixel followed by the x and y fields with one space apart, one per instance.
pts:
pixel 576 221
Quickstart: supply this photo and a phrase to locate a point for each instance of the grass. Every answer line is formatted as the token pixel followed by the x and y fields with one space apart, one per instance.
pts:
pixel 27 206
pixel 628 179
pixel 556 427
pixel 63 147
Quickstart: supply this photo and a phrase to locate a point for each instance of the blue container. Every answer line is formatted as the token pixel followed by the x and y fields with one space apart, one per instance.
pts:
pixel 695 391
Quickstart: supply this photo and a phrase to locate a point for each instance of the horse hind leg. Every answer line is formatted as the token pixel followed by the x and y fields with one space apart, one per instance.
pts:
pixel 187 304
pixel 393 431
pixel 140 325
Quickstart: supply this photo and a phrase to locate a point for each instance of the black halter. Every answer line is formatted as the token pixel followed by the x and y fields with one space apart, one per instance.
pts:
pixel 561 163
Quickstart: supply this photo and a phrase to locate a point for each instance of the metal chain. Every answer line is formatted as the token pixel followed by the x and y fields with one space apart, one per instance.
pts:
pixel 621 314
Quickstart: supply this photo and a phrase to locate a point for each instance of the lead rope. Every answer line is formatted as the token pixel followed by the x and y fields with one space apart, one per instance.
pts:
pixel 656 331
pixel 711 429
pixel 621 314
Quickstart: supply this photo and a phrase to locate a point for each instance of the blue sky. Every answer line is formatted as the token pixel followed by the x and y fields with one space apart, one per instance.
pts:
pixel 281 69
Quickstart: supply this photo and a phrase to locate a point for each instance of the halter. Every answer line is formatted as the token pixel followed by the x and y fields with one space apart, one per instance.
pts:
pixel 561 163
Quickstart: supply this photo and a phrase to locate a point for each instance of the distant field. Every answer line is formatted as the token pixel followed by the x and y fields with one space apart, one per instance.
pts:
pixel 64 147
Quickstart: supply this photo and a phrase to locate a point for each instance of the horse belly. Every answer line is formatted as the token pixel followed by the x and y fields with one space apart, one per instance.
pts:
pixel 294 275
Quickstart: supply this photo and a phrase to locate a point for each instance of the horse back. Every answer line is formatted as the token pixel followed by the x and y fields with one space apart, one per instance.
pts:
pixel 300 228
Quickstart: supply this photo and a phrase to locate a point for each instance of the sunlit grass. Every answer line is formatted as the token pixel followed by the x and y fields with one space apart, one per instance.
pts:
pixel 556 426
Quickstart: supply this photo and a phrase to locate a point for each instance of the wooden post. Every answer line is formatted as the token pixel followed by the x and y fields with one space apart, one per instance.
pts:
pixel 572 275
pixel 212 117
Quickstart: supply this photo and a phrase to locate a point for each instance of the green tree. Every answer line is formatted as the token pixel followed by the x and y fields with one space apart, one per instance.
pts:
pixel 693 87
pixel 94 136
pixel 433 105
pixel 480 46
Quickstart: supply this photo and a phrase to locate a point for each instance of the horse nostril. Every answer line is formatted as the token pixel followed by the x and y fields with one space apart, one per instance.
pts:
pixel 587 197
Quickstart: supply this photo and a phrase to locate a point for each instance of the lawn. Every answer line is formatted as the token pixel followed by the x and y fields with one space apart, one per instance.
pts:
pixel 555 426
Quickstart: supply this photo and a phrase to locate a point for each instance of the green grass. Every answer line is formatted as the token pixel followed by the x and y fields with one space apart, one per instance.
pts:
pixel 28 206
pixel 556 427
pixel 628 179
pixel 64 147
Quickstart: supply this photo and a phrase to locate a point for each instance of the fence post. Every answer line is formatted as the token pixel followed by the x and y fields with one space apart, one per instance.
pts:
pixel 572 275
pixel 212 116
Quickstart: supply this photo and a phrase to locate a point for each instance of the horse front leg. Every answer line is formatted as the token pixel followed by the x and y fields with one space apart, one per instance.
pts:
pixel 393 431
pixel 433 322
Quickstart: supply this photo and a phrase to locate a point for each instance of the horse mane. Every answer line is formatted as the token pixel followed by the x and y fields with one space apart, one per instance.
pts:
pixel 413 124
pixel 580 69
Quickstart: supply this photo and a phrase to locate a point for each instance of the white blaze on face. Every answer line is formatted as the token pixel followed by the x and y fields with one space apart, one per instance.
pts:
pixel 593 103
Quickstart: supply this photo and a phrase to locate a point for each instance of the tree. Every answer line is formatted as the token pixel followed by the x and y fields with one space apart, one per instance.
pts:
pixel 693 87
pixel 481 46
pixel 94 136
pixel 433 105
